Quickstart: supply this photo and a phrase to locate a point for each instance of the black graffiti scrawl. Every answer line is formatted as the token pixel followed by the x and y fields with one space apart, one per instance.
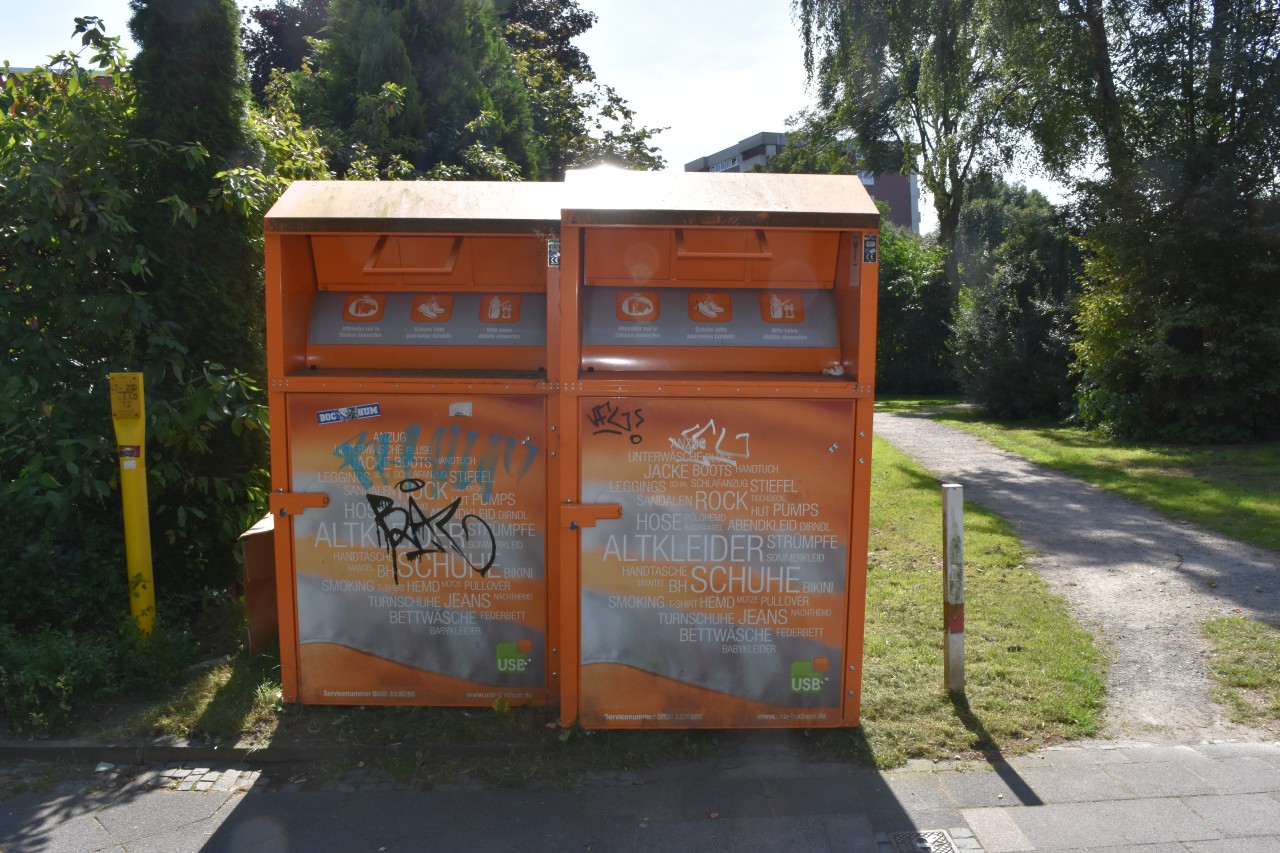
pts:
pixel 469 537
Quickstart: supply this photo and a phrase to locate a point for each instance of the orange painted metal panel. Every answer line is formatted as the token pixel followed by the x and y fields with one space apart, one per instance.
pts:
pixel 398 310
pixel 628 257
pixel 427 358
pixel 751 257
pixel 728 572
pixel 390 262
pixel 428 564
pixel 858 543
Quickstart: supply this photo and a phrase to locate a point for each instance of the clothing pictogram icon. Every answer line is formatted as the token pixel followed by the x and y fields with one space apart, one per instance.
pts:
pixel 710 307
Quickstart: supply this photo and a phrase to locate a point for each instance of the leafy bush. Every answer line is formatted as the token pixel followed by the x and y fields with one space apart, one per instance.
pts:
pixel 914 310
pixel 1180 324
pixel 43 676
pixel 83 293
pixel 48 675
pixel 1012 332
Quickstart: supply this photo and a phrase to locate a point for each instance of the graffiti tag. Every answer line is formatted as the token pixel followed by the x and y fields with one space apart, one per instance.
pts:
pixel 693 442
pixel 608 419
pixel 469 537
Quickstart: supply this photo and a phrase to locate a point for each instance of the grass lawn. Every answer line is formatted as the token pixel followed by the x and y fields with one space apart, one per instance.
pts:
pixel 1234 490
pixel 1033 676
pixel 1245 668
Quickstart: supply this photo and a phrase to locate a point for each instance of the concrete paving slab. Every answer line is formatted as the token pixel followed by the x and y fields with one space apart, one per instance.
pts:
pixel 1266 751
pixel 1241 775
pixel 980 788
pixel 1156 820
pixel 1161 779
pixel 395 813
pixel 1236 845
pixel 82 833
pixel 916 791
pixel 1069 826
pixel 769 835
pixel 813 797
pixel 1238 815
pixel 1144 848
pixel 996 830
pixel 600 834
pixel 1070 756
pixel 631 801
pixel 1166 754
pixel 732 798
pixel 850 833
pixel 1082 784
pixel 192 838
pixel 685 835
pixel 36 812
pixel 134 818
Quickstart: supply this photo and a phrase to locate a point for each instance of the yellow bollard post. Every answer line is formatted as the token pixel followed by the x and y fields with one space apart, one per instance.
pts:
pixel 128 416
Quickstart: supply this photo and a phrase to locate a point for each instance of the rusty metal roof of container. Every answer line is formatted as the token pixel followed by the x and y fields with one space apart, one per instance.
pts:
pixel 417 206
pixel 605 196
pixel 616 196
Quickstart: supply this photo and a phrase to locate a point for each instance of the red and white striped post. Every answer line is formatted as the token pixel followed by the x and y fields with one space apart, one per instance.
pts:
pixel 953 586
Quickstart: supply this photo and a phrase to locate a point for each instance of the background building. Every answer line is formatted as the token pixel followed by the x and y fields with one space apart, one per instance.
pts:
pixel 900 192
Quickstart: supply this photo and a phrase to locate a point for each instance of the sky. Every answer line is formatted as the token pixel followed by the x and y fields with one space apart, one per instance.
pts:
pixel 711 71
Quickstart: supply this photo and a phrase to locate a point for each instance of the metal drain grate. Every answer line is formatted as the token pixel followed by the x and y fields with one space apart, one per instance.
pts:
pixel 923 841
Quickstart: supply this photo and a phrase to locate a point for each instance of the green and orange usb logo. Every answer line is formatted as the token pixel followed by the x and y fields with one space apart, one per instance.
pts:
pixel 808 676
pixel 514 657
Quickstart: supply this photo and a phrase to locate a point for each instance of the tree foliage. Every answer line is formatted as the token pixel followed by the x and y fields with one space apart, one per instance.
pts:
pixel 1179 323
pixel 817 144
pixel 81 282
pixel 1013 328
pixel 456 107
pixel 922 88
pixel 278 38
pixel 912 317
pixel 580 120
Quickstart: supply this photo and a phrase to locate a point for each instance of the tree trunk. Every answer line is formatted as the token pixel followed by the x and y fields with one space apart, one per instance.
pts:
pixel 1109 117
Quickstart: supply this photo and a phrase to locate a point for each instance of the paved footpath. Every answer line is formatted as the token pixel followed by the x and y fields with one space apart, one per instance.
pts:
pixel 760 791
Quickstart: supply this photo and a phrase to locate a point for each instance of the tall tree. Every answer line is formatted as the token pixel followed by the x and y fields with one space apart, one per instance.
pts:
pixel 90 284
pixel 80 277
pixel 192 91
pixel 458 108
pixel 278 37
pixel 206 284
pixel 1178 103
pixel 579 119
pixel 1012 331
pixel 922 88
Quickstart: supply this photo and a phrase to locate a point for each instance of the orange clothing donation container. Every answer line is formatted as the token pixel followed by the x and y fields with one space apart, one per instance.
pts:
pixel 717 346
pixel 409 386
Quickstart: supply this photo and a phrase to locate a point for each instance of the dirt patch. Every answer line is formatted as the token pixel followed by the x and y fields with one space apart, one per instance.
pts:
pixel 1143 582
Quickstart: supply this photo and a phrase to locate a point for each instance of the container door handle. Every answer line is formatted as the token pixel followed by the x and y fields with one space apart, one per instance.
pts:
pixel 296 503
pixel 576 516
